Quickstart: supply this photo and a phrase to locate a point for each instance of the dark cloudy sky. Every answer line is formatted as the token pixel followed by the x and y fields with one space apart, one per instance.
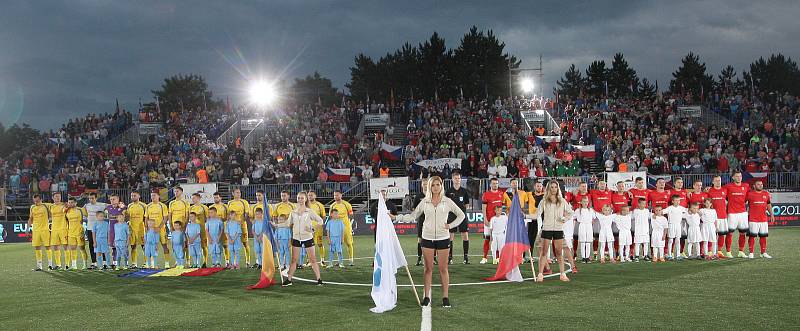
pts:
pixel 61 59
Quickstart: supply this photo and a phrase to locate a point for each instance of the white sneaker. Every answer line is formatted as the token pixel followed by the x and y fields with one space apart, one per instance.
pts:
pixel 483 261
pixel 766 256
pixel 750 256
pixel 166 265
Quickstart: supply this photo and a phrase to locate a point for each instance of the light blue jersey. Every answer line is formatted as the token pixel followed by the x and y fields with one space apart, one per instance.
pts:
pixel 195 246
pixel 214 230
pixel 234 231
pixel 151 241
pixel 178 239
pixel 122 232
pixel 335 229
pixel 100 230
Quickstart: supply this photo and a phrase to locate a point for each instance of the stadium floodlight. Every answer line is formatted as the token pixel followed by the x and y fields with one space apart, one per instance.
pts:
pixel 527 85
pixel 262 93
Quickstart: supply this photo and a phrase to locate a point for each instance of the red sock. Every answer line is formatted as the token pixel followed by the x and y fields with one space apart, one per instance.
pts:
pixel 485 248
pixel 574 242
pixel 728 241
pixel 594 246
pixel 708 249
pixel 742 238
pixel 762 242
pixel 751 241
pixel 683 245
pixel 616 247
pixel 721 241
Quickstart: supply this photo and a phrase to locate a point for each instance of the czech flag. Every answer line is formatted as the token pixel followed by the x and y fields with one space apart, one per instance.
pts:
pixel 752 177
pixel 516 244
pixel 338 175
pixel 393 153
pixel 267 254
pixel 585 151
pixel 652 179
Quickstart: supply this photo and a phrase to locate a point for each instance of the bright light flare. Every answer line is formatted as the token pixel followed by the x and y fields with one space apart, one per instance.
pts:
pixel 527 85
pixel 262 93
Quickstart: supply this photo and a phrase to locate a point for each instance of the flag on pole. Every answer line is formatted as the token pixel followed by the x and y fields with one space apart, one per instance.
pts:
pixel 267 255
pixel 117 105
pixel 516 244
pixel 388 258
pixel 205 107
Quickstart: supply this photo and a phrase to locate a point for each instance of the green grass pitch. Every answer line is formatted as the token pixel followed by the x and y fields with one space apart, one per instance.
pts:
pixel 741 294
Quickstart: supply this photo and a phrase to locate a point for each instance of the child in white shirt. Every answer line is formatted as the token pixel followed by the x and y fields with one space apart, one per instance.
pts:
pixel 708 217
pixel 641 233
pixel 674 214
pixel 585 216
pixel 606 219
pixel 659 225
pixel 623 222
pixel 693 234
pixel 498 227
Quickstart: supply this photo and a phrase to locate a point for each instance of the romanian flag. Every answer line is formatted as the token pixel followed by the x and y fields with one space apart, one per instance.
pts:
pixel 267 255
pixel 516 244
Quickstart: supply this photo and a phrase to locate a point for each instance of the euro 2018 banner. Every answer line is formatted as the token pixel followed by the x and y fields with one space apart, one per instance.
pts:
pixel 14 232
pixel 786 207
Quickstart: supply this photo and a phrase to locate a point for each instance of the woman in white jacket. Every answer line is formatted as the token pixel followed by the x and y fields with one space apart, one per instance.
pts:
pixel 553 211
pixel 435 208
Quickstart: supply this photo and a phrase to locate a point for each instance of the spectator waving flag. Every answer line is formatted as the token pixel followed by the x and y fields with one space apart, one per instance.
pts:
pixel 268 242
pixel 394 153
pixel 388 258
pixel 516 244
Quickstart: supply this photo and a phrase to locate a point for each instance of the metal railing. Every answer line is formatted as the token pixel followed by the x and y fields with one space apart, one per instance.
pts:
pixel 252 137
pixel 230 135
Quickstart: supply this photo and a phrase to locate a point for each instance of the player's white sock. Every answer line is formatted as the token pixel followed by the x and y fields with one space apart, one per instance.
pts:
pixel 646 249
pixel 602 249
pixel 636 250
pixel 611 251
pixel 714 246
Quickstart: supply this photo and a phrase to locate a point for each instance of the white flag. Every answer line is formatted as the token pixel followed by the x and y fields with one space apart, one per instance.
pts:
pixel 388 258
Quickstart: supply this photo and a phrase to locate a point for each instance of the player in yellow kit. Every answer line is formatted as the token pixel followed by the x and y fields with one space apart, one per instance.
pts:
pixel 222 213
pixel 58 232
pixel 319 209
pixel 38 219
pixel 242 209
pixel 76 234
pixel 136 212
pixel 201 211
pixel 178 208
pixel 158 212
pixel 345 212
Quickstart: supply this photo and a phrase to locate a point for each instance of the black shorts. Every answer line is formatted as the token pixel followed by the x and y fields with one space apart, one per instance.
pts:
pixel 305 244
pixel 463 227
pixel 436 244
pixel 553 235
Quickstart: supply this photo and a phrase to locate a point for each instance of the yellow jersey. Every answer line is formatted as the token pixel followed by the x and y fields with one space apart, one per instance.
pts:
pixel 240 207
pixel 282 209
pixel 222 211
pixel 40 215
pixel 344 208
pixel 258 205
pixel 157 211
pixel 75 217
pixel 136 212
pixel 318 209
pixel 57 218
pixel 523 200
pixel 201 211
pixel 179 211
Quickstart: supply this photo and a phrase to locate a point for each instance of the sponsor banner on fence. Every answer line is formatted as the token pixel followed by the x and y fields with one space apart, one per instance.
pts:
pixel 206 191
pixel 438 164
pixel 786 207
pixel 149 128
pixel 364 224
pixel 629 178
pixel 14 232
pixel 396 187
pixel 376 120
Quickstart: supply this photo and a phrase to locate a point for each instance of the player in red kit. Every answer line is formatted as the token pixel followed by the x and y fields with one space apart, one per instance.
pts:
pixel 491 199
pixel 639 191
pixel 620 197
pixel 758 201
pixel 600 196
pixel 737 213
pixel 660 196
pixel 683 196
pixel 719 198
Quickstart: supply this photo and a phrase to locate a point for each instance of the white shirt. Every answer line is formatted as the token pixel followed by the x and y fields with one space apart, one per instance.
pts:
pixel 708 215
pixel 502 171
pixel 659 223
pixel 641 218
pixel 674 214
pixel 499 224
pixel 91 210
pixel 584 215
pixel 623 222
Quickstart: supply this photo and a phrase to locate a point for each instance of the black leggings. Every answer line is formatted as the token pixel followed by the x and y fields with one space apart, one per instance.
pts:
pixel 91 247
pixel 533 229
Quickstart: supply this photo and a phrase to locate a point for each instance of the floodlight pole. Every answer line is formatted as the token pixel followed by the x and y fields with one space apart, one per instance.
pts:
pixel 512 70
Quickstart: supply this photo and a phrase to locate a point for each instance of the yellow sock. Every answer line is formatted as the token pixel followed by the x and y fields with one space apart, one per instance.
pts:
pixel 321 252
pixel 58 257
pixel 166 257
pixel 49 255
pixel 247 252
pixel 38 253
pixel 134 255
pixel 205 254
pixel 350 250
pixel 84 255
pixel 227 253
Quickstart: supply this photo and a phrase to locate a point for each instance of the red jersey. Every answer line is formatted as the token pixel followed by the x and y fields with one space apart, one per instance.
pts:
pixel 640 194
pixel 492 200
pixel 737 195
pixel 619 199
pixel 600 199
pixel 758 201
pixel 684 196
pixel 659 198
pixel 698 198
pixel 719 197
pixel 576 199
